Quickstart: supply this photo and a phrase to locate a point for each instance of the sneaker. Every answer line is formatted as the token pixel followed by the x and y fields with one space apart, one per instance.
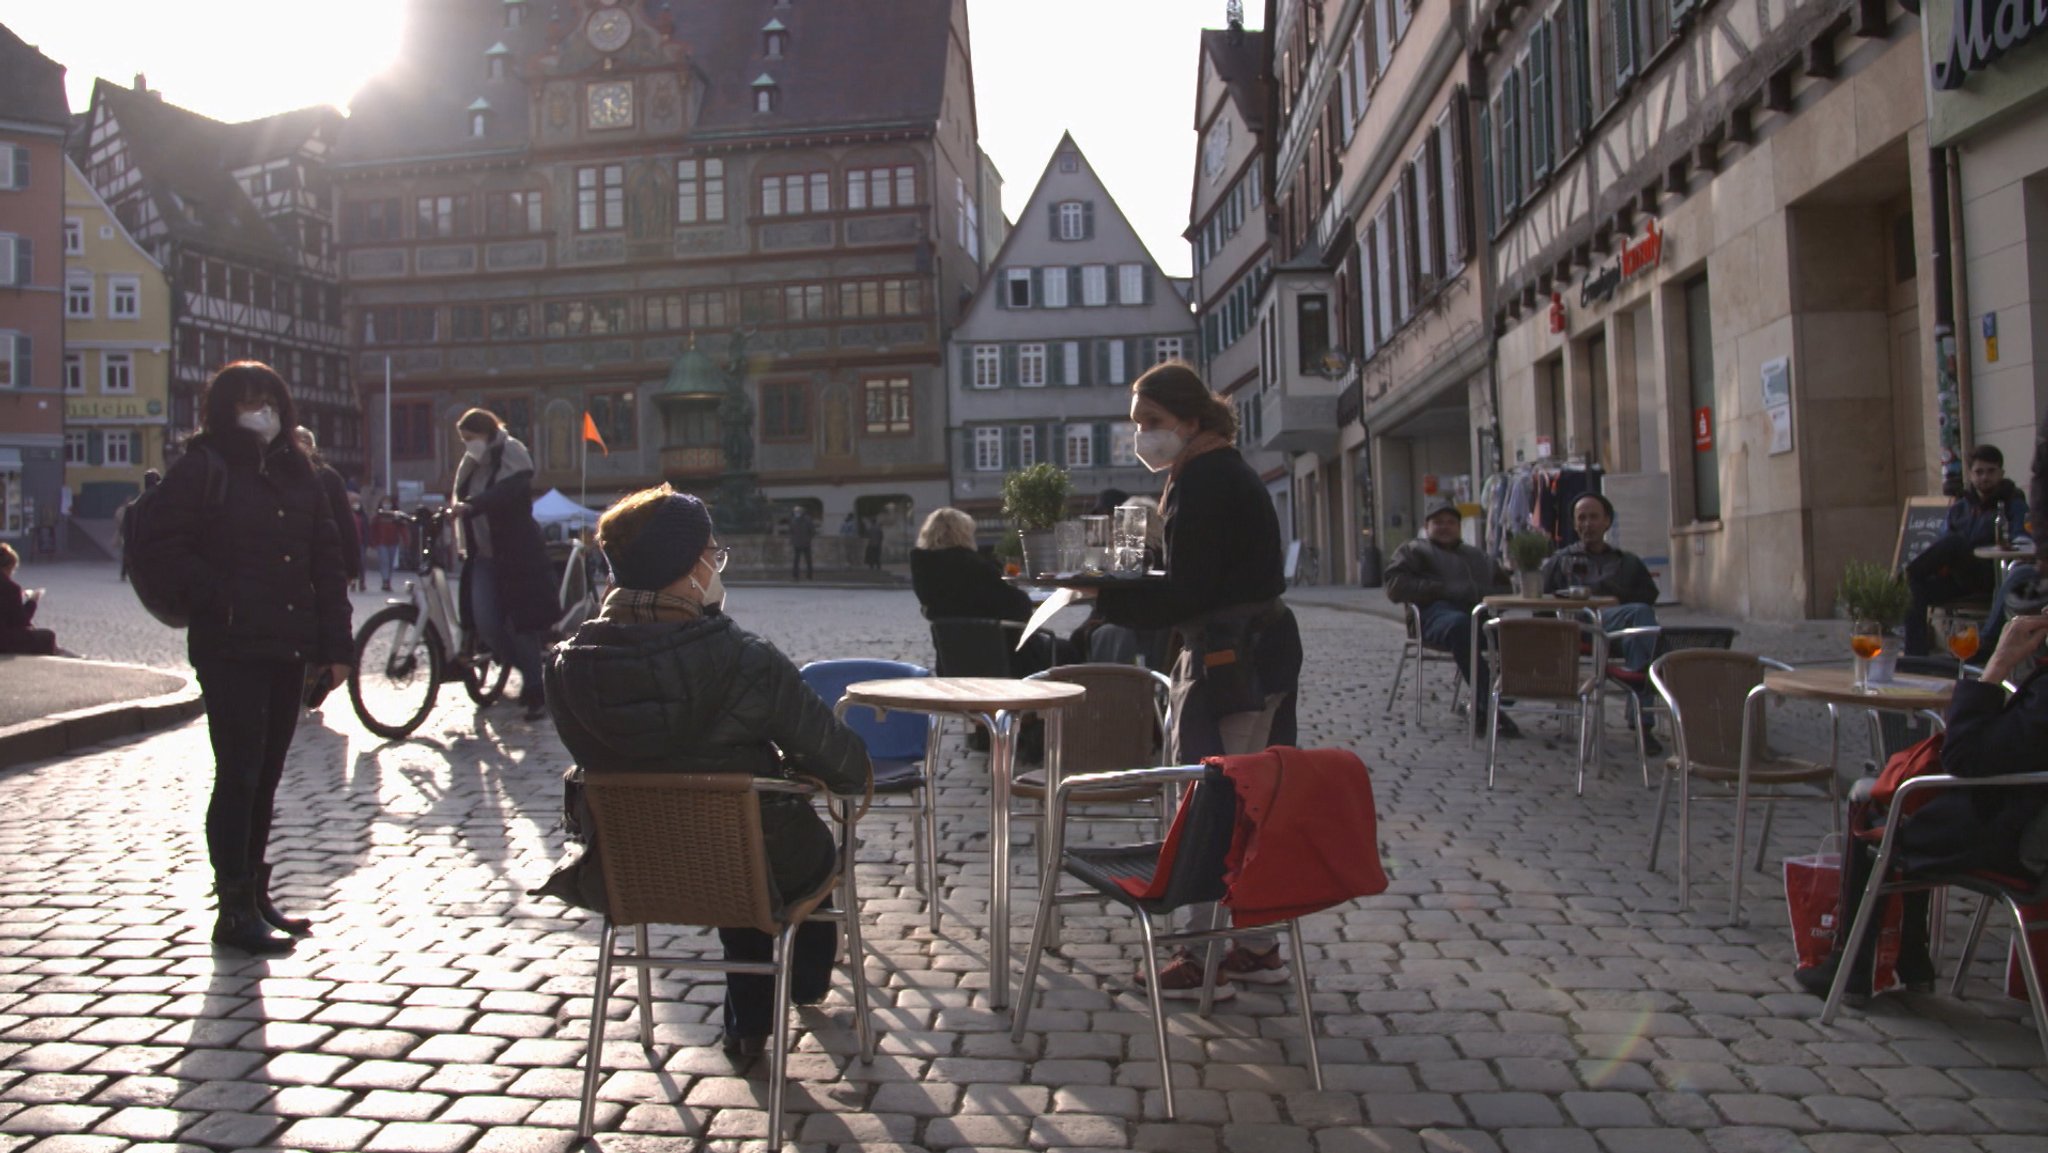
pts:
pixel 1181 980
pixel 1247 967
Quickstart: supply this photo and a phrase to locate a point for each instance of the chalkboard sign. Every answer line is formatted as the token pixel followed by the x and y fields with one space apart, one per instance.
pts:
pixel 1921 525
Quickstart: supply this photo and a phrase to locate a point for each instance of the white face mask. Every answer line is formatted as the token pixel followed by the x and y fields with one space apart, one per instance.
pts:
pixel 1158 448
pixel 711 596
pixel 263 422
pixel 474 449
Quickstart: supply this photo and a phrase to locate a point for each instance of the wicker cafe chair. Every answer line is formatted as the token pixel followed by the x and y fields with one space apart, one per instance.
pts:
pixel 1670 639
pixel 899 748
pixel 2015 893
pixel 1719 735
pixel 687 849
pixel 1537 661
pixel 1196 877
pixel 1419 656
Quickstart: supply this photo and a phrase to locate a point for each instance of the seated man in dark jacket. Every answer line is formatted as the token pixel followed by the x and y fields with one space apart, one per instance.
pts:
pixel 1990 733
pixel 1592 564
pixel 1445 577
pixel 662 681
pixel 953 581
pixel 1949 569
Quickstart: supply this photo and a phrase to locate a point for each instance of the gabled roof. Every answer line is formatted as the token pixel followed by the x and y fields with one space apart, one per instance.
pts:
pixel 835 57
pixel 1241 67
pixel 31 84
pixel 187 163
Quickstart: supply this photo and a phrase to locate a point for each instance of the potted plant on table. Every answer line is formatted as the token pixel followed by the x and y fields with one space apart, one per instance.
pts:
pixel 1875 599
pixel 1034 499
pixel 1529 550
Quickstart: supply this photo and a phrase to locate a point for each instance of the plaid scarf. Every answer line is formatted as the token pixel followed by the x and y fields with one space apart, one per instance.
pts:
pixel 626 606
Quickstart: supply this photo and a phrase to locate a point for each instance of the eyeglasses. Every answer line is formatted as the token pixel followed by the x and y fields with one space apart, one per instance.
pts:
pixel 719 555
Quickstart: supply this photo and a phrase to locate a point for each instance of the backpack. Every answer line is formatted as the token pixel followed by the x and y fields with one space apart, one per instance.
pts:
pixel 148 580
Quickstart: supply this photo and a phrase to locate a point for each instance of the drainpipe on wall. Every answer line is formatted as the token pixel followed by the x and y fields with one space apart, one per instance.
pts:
pixel 1959 279
pixel 1949 407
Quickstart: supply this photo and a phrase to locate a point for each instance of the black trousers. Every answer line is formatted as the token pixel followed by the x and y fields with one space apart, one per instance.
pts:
pixel 750 997
pixel 1858 860
pixel 800 559
pixel 252 710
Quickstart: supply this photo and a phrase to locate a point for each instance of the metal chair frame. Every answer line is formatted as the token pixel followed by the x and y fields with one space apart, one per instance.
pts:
pixel 1989 889
pixel 1196 878
pixel 828 679
pixel 1744 774
pixel 1414 652
pixel 1584 692
pixel 1633 706
pixel 708 887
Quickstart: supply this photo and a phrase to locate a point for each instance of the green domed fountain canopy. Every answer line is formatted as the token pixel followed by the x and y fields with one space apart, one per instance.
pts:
pixel 694 374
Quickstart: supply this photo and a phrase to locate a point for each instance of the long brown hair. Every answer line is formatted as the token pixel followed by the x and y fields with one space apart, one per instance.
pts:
pixel 1176 387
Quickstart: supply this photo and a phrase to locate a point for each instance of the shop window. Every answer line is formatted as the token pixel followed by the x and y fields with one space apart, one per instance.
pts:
pixel 785 410
pixel 614 413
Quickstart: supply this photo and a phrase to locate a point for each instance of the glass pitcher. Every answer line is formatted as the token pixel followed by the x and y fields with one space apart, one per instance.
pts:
pixel 1133 526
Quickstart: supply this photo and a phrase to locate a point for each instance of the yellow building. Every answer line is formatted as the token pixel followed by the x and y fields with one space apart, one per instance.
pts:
pixel 117 355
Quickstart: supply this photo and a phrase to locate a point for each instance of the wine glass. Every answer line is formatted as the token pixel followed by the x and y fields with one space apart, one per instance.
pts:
pixel 1960 634
pixel 1866 637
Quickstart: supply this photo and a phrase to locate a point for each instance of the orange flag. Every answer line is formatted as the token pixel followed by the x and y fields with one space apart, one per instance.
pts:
pixel 590 433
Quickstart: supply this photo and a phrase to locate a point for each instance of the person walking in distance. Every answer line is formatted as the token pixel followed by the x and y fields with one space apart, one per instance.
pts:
pixel 387 536
pixel 247 543
pixel 802 530
pixel 336 491
pixel 874 536
pixel 507 583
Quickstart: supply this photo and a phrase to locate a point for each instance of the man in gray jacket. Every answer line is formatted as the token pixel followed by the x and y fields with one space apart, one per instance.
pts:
pixel 1444 577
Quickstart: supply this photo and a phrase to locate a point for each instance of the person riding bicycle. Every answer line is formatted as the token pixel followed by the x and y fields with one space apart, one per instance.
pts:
pixel 508 590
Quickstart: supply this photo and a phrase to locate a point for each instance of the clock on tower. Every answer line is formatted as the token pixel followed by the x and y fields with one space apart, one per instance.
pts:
pixel 611 105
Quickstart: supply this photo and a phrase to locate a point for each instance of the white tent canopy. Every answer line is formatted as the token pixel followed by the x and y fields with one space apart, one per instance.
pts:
pixel 554 508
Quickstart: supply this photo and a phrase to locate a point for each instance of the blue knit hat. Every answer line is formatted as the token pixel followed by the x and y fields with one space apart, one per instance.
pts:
pixel 666 547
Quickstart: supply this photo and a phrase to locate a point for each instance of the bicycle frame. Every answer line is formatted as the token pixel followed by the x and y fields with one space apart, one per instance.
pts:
pixel 429 593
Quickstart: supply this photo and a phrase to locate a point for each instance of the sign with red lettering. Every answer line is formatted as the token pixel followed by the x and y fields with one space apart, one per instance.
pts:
pixel 1556 312
pixel 1703 429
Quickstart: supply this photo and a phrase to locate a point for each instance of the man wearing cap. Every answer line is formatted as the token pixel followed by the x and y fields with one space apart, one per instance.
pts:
pixel 1590 563
pixel 1444 577
pixel 661 680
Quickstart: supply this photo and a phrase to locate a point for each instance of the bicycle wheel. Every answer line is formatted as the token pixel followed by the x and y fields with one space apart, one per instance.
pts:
pixel 397 672
pixel 484 678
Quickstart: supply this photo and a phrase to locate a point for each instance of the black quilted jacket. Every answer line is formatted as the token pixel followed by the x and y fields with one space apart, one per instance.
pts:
pixel 262 571
pixel 702 697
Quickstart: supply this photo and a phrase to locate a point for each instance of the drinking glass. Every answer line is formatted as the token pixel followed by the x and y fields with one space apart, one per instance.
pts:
pixel 1132 523
pixel 1095 541
pixel 1866 637
pixel 1067 540
pixel 1960 633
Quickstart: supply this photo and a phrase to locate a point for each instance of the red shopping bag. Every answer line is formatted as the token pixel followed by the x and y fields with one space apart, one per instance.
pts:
pixel 1813 896
pixel 2035 919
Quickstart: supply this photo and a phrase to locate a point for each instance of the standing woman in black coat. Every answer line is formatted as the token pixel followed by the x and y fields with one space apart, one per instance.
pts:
pixel 508 586
pixel 1238 649
pixel 247 542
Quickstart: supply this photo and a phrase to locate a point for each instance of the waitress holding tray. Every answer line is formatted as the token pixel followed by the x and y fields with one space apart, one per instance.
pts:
pixel 1238 649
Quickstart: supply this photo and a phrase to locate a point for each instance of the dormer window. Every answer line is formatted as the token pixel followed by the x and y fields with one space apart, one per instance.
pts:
pixel 479 118
pixel 766 94
pixel 494 61
pixel 774 37
pixel 515 13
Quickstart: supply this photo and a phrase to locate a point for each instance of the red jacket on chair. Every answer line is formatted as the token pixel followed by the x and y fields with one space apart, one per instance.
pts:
pixel 1307 837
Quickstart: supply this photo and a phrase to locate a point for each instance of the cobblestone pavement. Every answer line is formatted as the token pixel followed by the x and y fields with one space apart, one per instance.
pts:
pixel 1526 985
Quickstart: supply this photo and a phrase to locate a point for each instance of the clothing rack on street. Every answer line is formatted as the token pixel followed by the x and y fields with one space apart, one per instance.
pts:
pixel 1535 496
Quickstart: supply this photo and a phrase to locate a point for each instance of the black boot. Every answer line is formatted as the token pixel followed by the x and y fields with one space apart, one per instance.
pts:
pixel 1821 978
pixel 272 915
pixel 240 924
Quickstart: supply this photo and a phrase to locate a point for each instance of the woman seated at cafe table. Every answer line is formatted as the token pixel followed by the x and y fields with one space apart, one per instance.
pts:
pixel 662 681
pixel 954 581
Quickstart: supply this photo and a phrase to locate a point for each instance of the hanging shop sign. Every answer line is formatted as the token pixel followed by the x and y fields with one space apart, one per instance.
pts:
pixel 1556 312
pixel 1703 429
pixel 1983 31
pixel 1636 257
pixel 112 408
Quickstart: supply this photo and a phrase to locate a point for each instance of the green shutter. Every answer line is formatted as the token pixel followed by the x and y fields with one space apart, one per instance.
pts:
pixel 24 259
pixel 1134 365
pixel 1146 351
pixel 1101 445
pixel 966 366
pixel 1009 446
pixel 1088 220
pixel 1101 362
pixel 24 358
pixel 1074 287
pixel 1009 365
pixel 1038 288
pixel 21 168
pixel 1055 363
pixel 1001 280
pixel 1053 210
pixel 95 446
pixel 1145 279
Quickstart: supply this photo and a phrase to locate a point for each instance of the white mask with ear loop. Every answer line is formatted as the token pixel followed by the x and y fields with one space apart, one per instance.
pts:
pixel 711 596
pixel 1158 448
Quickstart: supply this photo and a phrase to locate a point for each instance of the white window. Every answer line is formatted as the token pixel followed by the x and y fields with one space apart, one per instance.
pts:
pixel 476 124
pixel 764 99
pixel 1027 446
pixel 1080 446
pixel 1166 348
pixel 1031 365
pixel 988 450
pixel 124 297
pixel 1116 362
pixel 1130 283
pixel 1017 288
pixel 74 236
pixel 1123 444
pixel 74 447
pixel 988 366
pixel 74 372
pixel 1073 221
pixel 1053 287
pixel 1070 362
pixel 1094 285
pixel 117 372
pixel 78 298
pixel 973 232
pixel 117 445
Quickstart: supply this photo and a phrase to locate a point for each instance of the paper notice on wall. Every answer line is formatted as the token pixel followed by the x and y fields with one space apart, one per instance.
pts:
pixel 1781 428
